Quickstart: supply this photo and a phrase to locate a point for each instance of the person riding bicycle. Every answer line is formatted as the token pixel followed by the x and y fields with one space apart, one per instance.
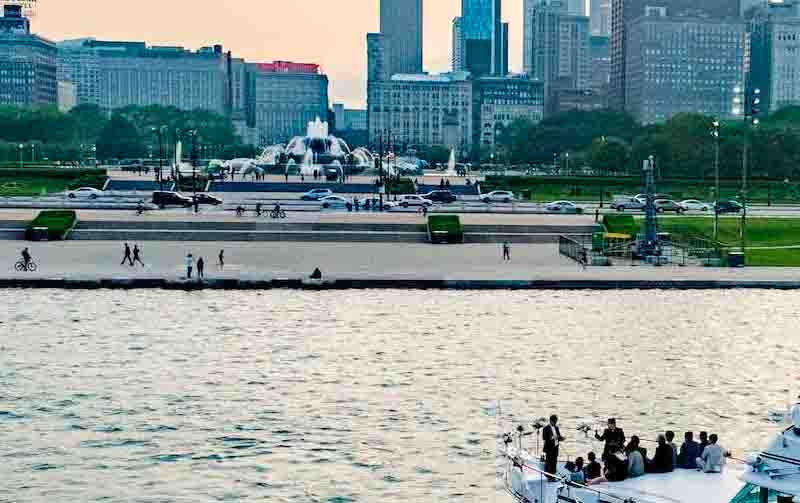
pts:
pixel 277 208
pixel 26 257
pixel 239 210
pixel 140 207
pixel 258 209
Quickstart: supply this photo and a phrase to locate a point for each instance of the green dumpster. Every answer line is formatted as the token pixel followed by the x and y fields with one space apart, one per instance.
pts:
pixel 598 242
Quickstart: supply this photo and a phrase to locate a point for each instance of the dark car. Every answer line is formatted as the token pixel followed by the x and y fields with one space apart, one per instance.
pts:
pixel 166 198
pixel 728 207
pixel 665 205
pixel 441 196
pixel 203 198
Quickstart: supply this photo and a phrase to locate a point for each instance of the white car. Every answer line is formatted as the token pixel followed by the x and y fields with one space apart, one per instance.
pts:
pixel 335 202
pixel 563 207
pixel 316 194
pixel 498 196
pixel 695 205
pixel 412 200
pixel 85 193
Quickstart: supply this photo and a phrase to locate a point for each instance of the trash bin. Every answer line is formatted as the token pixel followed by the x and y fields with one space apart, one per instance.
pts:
pixel 598 242
pixel 736 259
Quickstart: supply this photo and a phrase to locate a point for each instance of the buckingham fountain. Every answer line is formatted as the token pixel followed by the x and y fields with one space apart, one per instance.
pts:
pixel 317 152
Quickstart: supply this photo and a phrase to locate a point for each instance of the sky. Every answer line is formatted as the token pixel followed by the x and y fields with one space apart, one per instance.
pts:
pixel 331 33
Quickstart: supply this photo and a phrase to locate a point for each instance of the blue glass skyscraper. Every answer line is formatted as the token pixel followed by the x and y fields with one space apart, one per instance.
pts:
pixel 480 38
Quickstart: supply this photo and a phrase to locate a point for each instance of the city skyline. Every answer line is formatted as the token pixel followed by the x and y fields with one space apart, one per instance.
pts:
pixel 259 32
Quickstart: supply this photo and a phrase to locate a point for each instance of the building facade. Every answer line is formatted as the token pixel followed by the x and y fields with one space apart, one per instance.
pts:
pixel 114 74
pixel 600 63
pixel 684 64
pixel 600 14
pixel 624 12
pixel 401 25
pixel 28 64
pixel 774 63
pixel 501 101
pixel 284 99
pixel 422 111
pixel 557 45
pixel 480 38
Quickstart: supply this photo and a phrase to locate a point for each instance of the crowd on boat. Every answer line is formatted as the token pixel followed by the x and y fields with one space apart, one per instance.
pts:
pixel 621 460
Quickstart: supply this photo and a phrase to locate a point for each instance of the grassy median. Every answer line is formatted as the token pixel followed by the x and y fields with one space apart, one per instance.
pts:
pixel 39 181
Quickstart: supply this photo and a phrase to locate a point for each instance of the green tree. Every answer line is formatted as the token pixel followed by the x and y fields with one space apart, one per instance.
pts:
pixel 120 139
pixel 609 157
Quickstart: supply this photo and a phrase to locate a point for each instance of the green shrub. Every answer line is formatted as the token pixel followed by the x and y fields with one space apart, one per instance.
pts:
pixel 621 224
pixel 400 186
pixel 57 222
pixel 445 229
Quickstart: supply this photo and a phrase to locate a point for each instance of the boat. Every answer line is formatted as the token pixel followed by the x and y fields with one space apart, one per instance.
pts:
pixel 768 476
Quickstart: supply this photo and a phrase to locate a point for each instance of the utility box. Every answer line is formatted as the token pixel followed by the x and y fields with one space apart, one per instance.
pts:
pixel 736 259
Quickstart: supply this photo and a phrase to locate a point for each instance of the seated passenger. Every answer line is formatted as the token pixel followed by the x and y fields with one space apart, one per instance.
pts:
pixel 616 469
pixel 713 458
pixel 635 458
pixel 671 442
pixel 593 470
pixel 662 460
pixel 690 451
pixel 703 441
pixel 577 474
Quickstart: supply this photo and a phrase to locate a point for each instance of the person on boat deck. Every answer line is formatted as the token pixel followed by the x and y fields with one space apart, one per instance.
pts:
pixel 614 438
pixel 671 442
pixel 635 458
pixel 795 413
pixel 594 469
pixel 578 475
pixel 690 451
pixel 575 475
pixel 703 441
pixel 551 435
pixel 616 469
pixel 662 460
pixel 713 458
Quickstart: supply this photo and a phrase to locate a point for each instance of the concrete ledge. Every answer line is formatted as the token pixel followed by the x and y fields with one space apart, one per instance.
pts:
pixel 388 283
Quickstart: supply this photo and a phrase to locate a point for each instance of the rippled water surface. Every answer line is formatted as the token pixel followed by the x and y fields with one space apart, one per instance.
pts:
pixel 158 396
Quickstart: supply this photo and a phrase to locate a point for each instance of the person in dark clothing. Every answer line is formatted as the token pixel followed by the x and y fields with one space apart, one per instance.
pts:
pixel 317 274
pixel 137 255
pixel 670 435
pixel 616 469
pixel 593 469
pixel 200 267
pixel 613 437
pixel 221 258
pixel 447 183
pixel 690 451
pixel 662 460
pixel 551 435
pixel 127 255
pixel 703 440
pixel 506 251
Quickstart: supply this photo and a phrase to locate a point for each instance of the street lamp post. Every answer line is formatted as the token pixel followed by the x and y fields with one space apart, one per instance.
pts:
pixel 752 102
pixel 21 162
pixel 33 153
pixel 715 134
pixel 567 157
pixel 193 135
pixel 160 175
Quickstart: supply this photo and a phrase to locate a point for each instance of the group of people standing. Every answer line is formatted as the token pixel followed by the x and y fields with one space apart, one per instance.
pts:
pixel 622 461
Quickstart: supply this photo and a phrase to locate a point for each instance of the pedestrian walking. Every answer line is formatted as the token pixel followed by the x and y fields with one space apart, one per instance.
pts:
pixel 189 265
pixel 137 257
pixel 221 257
pixel 127 255
pixel 196 204
pixel 506 251
pixel 201 265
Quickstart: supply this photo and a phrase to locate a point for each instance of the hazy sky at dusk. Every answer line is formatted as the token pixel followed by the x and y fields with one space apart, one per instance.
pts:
pixel 329 32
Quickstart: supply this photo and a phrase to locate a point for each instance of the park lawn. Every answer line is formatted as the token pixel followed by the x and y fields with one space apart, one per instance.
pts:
pixel 760 231
pixel 15 183
pixel 778 257
pixel 32 186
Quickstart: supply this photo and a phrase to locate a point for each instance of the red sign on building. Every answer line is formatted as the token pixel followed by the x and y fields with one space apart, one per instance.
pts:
pixel 288 67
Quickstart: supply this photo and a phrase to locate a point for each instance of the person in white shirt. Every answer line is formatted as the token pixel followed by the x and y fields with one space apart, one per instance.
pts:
pixel 713 458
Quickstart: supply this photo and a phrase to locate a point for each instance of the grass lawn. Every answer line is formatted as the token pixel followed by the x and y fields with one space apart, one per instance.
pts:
pixel 32 186
pixel 21 183
pixel 774 258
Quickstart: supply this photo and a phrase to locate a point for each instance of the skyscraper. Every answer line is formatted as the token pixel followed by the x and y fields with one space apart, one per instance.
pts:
pixel 600 13
pixel 480 38
pixel 623 12
pixel 401 25
pixel 27 63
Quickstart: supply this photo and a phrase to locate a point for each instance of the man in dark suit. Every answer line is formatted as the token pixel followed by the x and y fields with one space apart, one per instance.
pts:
pixel 551 435
pixel 613 437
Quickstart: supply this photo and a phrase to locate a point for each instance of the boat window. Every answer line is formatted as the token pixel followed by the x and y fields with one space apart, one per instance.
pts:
pixel 752 494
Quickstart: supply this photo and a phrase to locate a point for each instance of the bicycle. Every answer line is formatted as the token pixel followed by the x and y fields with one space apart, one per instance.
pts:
pixel 240 211
pixel 274 214
pixel 21 267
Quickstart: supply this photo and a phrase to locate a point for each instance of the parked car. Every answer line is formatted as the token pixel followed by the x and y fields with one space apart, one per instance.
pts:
pixel 498 196
pixel 622 203
pixel 728 207
pixel 167 198
pixel 335 202
pixel 666 205
pixel 407 200
pixel 316 194
pixel 84 193
pixel 643 197
pixel 695 205
pixel 203 198
pixel 563 207
pixel 441 196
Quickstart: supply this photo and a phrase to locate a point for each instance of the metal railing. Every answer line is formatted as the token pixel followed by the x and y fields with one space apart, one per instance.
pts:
pixel 573 250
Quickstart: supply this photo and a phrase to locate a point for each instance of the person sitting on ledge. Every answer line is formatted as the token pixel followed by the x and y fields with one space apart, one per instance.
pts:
pixel 713 458
pixel 662 461
pixel 317 274
pixel 690 451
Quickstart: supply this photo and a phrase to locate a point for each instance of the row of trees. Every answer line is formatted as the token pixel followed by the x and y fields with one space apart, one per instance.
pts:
pixel 612 143
pixel 125 133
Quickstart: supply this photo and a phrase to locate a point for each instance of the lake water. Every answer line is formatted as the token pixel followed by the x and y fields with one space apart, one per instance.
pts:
pixel 158 396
